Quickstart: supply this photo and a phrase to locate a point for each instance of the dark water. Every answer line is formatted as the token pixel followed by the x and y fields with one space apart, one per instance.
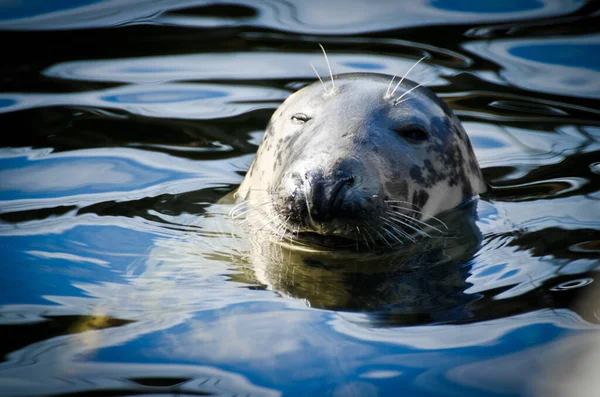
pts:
pixel 124 122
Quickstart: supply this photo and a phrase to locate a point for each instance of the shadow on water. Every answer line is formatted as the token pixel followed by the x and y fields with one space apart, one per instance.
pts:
pixel 426 283
pixel 126 123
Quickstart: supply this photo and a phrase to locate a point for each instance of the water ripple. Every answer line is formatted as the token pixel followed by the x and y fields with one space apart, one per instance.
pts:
pixel 258 66
pixel 544 65
pixel 312 17
pixel 140 174
pixel 125 253
pixel 175 100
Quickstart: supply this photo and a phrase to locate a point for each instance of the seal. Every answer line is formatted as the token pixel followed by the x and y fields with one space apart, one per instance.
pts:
pixel 360 162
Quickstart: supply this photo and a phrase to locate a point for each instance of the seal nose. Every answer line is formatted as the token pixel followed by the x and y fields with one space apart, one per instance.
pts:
pixel 325 195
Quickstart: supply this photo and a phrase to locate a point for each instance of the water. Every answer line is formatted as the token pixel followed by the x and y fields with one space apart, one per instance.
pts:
pixel 119 272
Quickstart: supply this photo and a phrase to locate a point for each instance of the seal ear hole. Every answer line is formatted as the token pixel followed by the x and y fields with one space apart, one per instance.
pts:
pixel 300 118
pixel 413 134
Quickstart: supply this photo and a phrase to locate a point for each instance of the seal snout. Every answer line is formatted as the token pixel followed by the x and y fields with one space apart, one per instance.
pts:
pixel 325 196
pixel 312 199
pixel 325 201
pixel 369 165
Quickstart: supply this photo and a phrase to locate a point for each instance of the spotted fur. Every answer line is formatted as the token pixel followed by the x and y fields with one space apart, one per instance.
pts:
pixel 359 130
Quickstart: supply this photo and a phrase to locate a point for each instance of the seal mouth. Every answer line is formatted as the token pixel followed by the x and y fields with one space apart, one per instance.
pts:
pixel 332 241
pixel 319 238
pixel 385 230
pixel 327 241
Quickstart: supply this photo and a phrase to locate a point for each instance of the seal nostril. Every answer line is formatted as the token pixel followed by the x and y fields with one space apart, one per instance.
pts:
pixel 317 196
pixel 338 192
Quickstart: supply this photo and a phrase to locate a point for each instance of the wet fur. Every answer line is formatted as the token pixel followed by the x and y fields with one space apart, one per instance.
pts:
pixel 350 123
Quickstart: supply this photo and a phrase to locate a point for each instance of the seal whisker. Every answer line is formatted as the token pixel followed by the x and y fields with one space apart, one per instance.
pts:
pixel 364 237
pixel 240 214
pixel 250 191
pixel 418 212
pixel 310 218
pixel 276 229
pixel 370 237
pixel 398 238
pixel 241 204
pixel 328 66
pixel 416 228
pixel 405 74
pixel 246 202
pixel 382 237
pixel 245 206
pixel 414 223
pixel 399 201
pixel 317 181
pixel 265 197
pixel 387 233
pixel 282 228
pixel 411 222
pixel 398 100
pixel 269 221
pixel 393 235
pixel 400 231
pixel 410 218
pixel 317 73
pixel 237 212
pixel 253 198
pixel 238 217
pixel 241 222
pixel 387 92
pixel 439 221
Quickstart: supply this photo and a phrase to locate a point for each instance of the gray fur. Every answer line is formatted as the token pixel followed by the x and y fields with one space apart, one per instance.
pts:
pixel 352 130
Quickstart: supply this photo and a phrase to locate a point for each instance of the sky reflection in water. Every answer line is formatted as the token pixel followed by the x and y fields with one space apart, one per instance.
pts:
pixel 122 273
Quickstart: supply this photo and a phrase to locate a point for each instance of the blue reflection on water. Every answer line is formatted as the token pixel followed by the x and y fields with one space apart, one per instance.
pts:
pixel 509 274
pixel 572 54
pixel 496 6
pixel 365 65
pixel 295 349
pixel 313 365
pixel 486 142
pixel 149 69
pixel 21 178
pixel 492 270
pixel 4 102
pixel 164 96
pixel 29 8
pixel 33 267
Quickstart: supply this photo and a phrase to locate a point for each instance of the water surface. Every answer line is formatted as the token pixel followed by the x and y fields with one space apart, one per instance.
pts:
pixel 125 124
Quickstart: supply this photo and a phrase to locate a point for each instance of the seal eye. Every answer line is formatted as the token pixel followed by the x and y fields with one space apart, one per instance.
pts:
pixel 413 134
pixel 300 118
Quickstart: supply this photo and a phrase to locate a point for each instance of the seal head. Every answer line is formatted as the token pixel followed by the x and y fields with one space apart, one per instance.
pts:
pixel 351 163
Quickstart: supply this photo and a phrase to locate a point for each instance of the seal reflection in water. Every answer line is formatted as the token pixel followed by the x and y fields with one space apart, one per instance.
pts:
pixel 363 163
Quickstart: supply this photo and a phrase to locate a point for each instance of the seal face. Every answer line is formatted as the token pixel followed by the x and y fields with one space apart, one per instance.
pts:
pixel 350 164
